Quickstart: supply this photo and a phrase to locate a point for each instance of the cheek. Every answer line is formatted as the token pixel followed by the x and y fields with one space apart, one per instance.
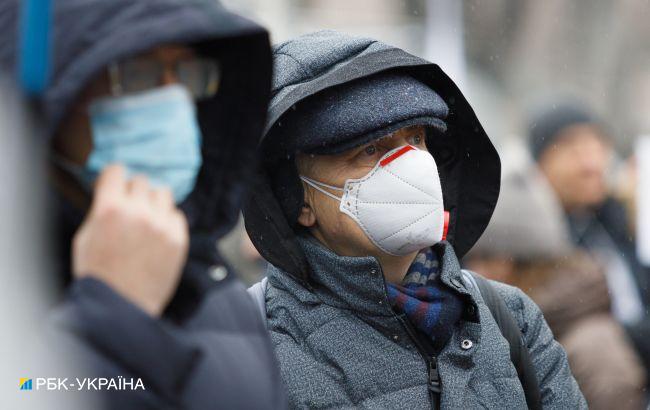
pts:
pixel 331 220
pixel 567 169
pixel 350 238
pixel 326 211
pixel 341 231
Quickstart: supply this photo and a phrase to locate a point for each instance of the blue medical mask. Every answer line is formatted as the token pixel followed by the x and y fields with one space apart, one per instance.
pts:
pixel 154 133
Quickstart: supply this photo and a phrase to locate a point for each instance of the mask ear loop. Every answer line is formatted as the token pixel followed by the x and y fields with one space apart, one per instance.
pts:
pixel 315 184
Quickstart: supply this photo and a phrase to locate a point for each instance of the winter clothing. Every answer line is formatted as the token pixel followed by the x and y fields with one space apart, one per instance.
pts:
pixel 567 285
pixel 607 368
pixel 91 34
pixel 316 62
pixel 352 114
pixel 333 320
pixel 604 229
pixel 344 117
pixel 603 232
pixel 572 293
pixel 528 221
pixel 546 125
pixel 428 304
pixel 554 283
pixel 340 345
pixel 210 348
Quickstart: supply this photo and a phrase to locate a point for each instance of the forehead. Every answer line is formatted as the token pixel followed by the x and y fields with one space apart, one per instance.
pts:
pixel 581 134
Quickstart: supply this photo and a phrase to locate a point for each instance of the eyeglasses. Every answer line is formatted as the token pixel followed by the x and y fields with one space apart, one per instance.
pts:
pixel 200 75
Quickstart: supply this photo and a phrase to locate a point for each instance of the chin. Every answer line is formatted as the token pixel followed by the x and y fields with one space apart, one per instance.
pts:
pixel 589 201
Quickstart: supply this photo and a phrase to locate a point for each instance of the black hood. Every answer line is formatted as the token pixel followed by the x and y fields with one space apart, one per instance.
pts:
pixel 468 163
pixel 89 34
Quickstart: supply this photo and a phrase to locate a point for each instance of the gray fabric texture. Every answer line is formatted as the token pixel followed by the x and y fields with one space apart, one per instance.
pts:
pixel 340 345
pixel 352 114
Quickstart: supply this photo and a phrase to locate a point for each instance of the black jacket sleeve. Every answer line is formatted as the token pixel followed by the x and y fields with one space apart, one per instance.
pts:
pixel 193 366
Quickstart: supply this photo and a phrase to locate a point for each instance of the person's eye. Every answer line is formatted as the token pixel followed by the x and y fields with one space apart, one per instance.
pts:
pixel 370 150
pixel 415 139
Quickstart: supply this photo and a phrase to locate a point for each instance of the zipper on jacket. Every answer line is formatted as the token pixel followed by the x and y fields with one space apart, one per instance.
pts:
pixel 434 376
pixel 434 383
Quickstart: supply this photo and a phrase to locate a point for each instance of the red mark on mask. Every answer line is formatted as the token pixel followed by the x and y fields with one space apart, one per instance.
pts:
pixel 446 226
pixel 395 155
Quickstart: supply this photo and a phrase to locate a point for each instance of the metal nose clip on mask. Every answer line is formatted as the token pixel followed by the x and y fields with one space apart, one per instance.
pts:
pixel 398 204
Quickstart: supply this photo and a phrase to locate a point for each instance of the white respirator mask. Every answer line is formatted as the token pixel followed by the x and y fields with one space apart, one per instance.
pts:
pixel 398 204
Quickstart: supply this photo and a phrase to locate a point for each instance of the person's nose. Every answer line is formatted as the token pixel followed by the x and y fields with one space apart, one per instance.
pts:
pixel 393 142
pixel 591 161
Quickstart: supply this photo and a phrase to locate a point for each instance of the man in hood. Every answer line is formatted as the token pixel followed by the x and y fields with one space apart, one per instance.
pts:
pixel 175 93
pixel 376 177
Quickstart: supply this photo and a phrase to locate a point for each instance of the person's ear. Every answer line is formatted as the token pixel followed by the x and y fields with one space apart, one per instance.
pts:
pixel 306 217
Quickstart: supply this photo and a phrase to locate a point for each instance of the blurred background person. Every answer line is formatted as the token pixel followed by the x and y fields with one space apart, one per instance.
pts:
pixel 528 245
pixel 148 296
pixel 573 151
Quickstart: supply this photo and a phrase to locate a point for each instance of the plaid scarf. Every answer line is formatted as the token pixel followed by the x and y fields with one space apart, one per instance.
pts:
pixel 430 305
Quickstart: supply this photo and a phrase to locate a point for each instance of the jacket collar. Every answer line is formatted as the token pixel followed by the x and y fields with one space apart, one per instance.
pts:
pixel 357 283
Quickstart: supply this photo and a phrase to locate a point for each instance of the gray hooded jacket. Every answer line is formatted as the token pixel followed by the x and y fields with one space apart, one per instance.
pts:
pixel 340 345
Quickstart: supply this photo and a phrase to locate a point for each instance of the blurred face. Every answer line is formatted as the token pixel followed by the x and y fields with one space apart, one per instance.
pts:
pixel 74 138
pixel 575 165
pixel 321 214
pixel 74 142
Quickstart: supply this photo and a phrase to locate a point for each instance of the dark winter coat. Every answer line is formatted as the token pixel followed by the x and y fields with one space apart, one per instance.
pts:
pixel 572 294
pixel 210 350
pixel 610 216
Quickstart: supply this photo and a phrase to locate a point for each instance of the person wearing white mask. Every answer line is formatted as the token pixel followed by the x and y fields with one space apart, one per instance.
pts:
pixel 375 177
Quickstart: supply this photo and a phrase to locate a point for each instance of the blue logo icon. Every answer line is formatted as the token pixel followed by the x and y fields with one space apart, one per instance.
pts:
pixel 25 383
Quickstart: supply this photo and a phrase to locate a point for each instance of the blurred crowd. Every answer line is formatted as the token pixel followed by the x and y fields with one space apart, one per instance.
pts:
pixel 565 234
